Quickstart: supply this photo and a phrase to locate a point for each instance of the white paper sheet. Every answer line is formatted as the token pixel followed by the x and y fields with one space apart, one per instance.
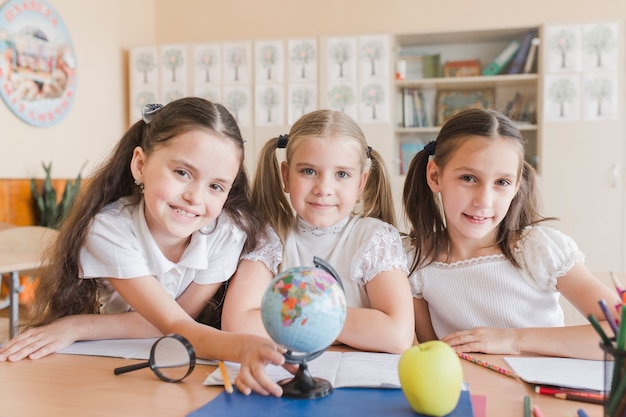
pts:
pixel 118 348
pixel 562 372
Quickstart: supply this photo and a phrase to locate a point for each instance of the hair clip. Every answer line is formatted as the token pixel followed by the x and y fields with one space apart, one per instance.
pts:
pixel 282 141
pixel 430 147
pixel 148 111
pixel 368 152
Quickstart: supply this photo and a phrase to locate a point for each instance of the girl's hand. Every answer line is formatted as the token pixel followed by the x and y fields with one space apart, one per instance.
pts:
pixel 41 341
pixel 484 340
pixel 256 353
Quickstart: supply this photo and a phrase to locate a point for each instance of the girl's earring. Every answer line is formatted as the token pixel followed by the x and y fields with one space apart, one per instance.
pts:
pixel 140 185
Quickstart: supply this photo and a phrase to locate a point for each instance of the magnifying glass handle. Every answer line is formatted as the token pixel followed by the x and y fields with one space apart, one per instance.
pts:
pixel 128 368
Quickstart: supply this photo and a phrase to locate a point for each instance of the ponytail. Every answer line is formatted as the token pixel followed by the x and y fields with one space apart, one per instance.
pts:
pixel 423 213
pixel 377 195
pixel 268 197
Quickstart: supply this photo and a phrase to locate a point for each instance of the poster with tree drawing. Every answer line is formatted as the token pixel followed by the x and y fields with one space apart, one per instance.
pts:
pixel 562 50
pixel 341 58
pixel 373 103
pixel 269 104
pixel 599 47
pixel 342 96
pixel 144 66
pixel 236 65
pixel 207 64
pixel 174 65
pixel 600 94
pixel 269 64
pixel 238 100
pixel 562 97
pixel 302 100
pixel 373 57
pixel 302 59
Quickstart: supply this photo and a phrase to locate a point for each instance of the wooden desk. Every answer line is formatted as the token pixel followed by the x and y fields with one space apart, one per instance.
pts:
pixel 73 385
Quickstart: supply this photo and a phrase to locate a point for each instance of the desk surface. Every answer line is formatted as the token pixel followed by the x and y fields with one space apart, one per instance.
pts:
pixel 74 385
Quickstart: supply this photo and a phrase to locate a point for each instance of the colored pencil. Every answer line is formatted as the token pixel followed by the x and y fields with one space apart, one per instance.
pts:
pixel 526 406
pixel 228 387
pixel 582 413
pixel 537 411
pixel 617 284
pixel 487 365
pixel 571 394
pixel 594 322
pixel 608 316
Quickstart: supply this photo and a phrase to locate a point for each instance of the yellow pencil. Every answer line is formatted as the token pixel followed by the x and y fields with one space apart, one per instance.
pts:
pixel 227 385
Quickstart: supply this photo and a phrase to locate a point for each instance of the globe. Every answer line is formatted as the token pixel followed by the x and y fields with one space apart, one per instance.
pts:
pixel 304 310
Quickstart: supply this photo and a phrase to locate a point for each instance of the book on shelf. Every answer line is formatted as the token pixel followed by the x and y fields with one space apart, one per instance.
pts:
pixel 416 108
pixel 517 65
pixel 466 68
pixel 531 58
pixel 407 151
pixel 503 58
pixel 414 67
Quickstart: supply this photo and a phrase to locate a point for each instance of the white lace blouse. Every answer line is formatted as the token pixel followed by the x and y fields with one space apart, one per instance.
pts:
pixel 358 248
pixel 490 291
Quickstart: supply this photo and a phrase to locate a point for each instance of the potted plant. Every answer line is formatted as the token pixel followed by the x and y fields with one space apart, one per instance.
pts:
pixel 50 213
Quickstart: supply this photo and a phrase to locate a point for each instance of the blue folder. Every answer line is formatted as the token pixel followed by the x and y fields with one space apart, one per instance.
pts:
pixel 362 402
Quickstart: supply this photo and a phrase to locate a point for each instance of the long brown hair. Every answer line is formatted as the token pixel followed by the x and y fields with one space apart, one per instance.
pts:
pixel 270 201
pixel 60 291
pixel 427 227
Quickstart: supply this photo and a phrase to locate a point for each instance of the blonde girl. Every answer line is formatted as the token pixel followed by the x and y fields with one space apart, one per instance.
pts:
pixel 329 198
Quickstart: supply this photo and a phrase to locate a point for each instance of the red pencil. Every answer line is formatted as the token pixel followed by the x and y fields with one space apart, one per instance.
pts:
pixel 573 395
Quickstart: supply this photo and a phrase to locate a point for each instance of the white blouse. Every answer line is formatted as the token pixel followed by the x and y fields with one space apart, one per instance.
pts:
pixel 490 291
pixel 120 245
pixel 358 248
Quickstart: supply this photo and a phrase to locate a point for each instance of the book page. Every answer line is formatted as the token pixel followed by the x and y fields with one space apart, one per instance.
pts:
pixel 324 366
pixel 365 369
pixel 347 369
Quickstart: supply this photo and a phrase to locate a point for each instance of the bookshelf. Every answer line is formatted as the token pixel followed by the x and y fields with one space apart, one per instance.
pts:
pixel 421 87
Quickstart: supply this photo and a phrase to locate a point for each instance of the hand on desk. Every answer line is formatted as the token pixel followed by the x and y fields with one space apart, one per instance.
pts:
pixel 41 341
pixel 252 375
pixel 484 339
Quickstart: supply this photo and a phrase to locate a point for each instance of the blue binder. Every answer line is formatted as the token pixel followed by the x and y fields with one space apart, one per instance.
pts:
pixel 362 402
pixel 520 58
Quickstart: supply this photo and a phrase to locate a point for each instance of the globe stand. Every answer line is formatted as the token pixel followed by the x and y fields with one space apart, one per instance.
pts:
pixel 304 385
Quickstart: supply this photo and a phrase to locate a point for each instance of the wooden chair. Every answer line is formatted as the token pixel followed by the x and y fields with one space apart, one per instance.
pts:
pixel 21 252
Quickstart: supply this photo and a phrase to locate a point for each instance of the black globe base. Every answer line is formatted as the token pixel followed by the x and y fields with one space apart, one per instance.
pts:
pixel 305 386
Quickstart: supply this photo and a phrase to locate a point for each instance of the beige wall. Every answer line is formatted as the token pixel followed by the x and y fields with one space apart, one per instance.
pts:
pixel 199 20
pixel 102 32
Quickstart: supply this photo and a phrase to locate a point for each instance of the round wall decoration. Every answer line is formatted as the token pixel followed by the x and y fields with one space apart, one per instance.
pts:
pixel 37 62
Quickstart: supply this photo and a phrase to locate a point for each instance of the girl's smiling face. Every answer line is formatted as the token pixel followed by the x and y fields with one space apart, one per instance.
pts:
pixel 186 183
pixel 477 185
pixel 324 179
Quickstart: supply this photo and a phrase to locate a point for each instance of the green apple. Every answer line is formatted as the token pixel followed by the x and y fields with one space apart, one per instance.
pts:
pixel 431 376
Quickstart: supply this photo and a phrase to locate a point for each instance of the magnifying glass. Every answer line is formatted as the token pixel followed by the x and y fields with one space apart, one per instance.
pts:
pixel 172 358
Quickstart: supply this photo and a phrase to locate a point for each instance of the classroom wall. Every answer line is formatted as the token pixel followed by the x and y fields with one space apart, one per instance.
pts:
pixel 201 20
pixel 102 32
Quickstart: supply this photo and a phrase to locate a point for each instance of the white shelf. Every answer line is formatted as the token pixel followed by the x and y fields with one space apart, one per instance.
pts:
pixel 470 82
